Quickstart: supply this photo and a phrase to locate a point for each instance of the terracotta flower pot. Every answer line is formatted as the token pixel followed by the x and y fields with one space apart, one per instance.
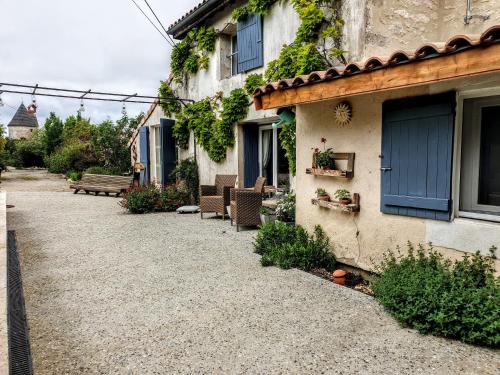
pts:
pixel 345 200
pixel 339 277
pixel 325 198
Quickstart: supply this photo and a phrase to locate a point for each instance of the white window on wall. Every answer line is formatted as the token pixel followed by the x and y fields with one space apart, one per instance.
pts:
pixel 480 163
pixel 273 164
pixel 156 148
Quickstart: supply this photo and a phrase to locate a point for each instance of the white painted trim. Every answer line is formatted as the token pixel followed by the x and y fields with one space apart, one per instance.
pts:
pixel 461 95
pixel 479 216
pixel 274 156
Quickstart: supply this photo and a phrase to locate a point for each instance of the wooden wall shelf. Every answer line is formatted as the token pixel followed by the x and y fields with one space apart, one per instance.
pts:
pixel 336 205
pixel 347 173
pixel 329 172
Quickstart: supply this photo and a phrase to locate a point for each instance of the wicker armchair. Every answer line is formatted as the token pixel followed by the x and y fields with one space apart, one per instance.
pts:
pixel 215 198
pixel 246 204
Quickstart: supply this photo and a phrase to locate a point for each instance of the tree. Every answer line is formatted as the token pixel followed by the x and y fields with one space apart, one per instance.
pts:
pixel 53 135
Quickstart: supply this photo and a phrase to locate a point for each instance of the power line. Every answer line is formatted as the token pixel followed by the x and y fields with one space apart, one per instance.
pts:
pixel 152 23
pixel 85 94
pixel 163 27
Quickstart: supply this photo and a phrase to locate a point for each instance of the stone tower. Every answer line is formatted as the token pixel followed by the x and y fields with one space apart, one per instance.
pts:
pixel 23 123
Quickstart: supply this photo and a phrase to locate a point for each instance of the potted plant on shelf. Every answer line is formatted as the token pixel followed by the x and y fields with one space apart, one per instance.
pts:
pixel 343 196
pixel 322 195
pixel 267 215
pixel 323 159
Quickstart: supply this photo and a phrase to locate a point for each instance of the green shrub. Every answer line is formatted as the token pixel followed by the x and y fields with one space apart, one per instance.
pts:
pixel 141 200
pixel 187 172
pixel 145 199
pixel 458 300
pixel 285 209
pixel 99 170
pixel 72 157
pixel 289 246
pixel 172 197
pixel 74 176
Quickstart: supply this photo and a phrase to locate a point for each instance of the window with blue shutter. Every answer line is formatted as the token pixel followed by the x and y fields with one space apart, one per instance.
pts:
pixel 167 150
pixel 416 160
pixel 250 46
pixel 144 154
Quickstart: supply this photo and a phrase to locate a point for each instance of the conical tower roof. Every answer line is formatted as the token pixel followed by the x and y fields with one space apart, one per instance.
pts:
pixel 23 118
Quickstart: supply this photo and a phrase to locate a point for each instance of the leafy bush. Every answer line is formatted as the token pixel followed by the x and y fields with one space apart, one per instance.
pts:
pixel 72 157
pixel 288 246
pixel 285 209
pixel 458 300
pixel 172 197
pixel 74 176
pixel 141 200
pixel 187 172
pixel 145 199
pixel 99 170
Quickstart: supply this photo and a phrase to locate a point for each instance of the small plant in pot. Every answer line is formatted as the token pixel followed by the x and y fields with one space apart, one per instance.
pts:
pixel 322 195
pixel 343 196
pixel 323 158
pixel 267 215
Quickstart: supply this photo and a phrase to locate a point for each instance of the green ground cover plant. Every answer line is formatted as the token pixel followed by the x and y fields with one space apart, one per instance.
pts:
pixel 290 246
pixel 459 300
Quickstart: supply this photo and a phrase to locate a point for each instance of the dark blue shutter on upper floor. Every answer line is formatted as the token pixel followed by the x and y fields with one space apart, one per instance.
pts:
pixel 167 150
pixel 250 46
pixel 417 148
pixel 144 154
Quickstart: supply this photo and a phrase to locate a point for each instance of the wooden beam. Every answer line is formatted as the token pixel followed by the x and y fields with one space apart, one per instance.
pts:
pixel 471 62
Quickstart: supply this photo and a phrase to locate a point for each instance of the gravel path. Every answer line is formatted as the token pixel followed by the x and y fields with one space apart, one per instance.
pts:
pixel 113 293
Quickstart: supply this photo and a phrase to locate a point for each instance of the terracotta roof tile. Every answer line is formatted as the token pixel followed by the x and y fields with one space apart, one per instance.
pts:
pixel 454 44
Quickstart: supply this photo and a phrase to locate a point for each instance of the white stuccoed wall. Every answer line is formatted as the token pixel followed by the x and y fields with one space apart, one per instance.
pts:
pixel 4 345
pixel 279 27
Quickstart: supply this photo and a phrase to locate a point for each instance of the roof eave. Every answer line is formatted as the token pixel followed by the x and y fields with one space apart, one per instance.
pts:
pixel 181 27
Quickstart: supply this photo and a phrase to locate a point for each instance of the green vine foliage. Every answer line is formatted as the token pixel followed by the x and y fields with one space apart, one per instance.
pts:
pixel 317 42
pixel 252 82
pixel 191 54
pixel 212 121
pixel 261 7
pixel 168 102
pixel 287 139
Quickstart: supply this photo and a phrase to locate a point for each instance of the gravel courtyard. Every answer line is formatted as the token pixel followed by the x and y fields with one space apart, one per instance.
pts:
pixel 113 293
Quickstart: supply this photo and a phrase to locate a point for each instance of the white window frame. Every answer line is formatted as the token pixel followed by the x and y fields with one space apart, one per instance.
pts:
pixel 274 155
pixel 461 96
pixel 157 145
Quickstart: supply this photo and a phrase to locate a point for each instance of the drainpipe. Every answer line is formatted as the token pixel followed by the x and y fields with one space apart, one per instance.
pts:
pixel 469 16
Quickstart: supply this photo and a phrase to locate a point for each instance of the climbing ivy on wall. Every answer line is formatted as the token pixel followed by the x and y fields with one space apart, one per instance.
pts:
pixel 191 54
pixel 211 120
pixel 317 45
pixel 287 139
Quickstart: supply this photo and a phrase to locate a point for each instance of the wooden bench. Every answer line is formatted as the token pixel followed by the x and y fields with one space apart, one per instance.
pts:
pixel 100 183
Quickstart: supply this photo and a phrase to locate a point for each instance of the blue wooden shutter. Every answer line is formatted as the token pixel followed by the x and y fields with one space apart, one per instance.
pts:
pixel 250 47
pixel 251 154
pixel 144 154
pixel 417 147
pixel 167 150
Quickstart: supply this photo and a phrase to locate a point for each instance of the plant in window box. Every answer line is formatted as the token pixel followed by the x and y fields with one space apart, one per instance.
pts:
pixel 322 195
pixel 267 215
pixel 343 196
pixel 323 159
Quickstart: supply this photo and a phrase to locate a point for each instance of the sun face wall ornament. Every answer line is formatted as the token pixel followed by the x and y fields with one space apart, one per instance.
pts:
pixel 343 113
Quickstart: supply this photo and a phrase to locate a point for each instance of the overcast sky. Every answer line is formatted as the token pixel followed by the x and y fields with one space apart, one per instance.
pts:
pixel 105 45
